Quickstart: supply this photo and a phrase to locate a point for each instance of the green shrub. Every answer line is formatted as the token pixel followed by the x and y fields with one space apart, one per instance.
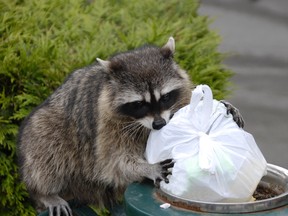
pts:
pixel 41 41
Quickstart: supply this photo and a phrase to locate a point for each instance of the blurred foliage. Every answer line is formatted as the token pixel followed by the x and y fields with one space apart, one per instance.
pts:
pixel 41 41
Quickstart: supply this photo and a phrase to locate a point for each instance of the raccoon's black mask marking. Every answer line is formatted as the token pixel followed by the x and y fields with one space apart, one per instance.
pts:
pixel 140 109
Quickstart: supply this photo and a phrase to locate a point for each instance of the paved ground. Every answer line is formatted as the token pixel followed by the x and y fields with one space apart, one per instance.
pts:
pixel 255 33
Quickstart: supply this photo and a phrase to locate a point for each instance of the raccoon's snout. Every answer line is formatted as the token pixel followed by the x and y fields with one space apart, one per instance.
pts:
pixel 158 123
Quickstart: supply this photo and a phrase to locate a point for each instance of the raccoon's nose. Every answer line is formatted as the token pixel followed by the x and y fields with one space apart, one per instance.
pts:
pixel 158 124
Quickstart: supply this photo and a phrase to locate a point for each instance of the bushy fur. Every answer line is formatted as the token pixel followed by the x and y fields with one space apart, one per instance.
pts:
pixel 82 143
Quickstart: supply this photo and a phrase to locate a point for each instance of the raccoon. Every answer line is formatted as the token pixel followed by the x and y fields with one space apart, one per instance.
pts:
pixel 87 140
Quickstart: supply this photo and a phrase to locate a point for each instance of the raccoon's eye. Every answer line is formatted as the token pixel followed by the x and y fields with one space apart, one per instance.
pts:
pixel 165 98
pixel 136 109
pixel 137 105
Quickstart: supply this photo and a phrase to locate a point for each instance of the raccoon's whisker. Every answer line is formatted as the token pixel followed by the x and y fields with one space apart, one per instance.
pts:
pixel 130 129
pixel 135 131
pixel 139 133
pixel 128 125
pixel 143 134
pixel 127 131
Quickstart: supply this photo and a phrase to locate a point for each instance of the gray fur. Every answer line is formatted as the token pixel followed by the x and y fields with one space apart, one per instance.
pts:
pixel 77 144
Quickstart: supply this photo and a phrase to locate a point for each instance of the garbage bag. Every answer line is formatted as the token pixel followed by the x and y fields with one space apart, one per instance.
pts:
pixel 215 160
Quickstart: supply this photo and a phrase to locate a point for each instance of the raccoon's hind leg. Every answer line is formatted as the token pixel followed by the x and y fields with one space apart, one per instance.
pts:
pixel 56 205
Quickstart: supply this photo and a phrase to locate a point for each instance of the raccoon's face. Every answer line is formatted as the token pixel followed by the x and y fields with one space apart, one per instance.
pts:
pixel 148 87
pixel 154 108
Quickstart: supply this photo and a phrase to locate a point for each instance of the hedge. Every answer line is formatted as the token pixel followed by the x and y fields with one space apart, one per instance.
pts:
pixel 42 41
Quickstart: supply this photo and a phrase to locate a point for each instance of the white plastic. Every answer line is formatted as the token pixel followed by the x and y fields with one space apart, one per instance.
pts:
pixel 216 161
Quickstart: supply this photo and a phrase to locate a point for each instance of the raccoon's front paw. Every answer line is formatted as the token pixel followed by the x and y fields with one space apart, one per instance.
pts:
pixel 163 170
pixel 56 205
pixel 60 210
pixel 237 117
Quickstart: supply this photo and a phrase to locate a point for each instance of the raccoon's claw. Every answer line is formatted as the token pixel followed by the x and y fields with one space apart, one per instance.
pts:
pixel 56 205
pixel 60 210
pixel 166 166
pixel 168 163
pixel 237 117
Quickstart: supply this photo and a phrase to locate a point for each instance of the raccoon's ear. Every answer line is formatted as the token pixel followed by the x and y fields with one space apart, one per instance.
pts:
pixel 169 48
pixel 104 63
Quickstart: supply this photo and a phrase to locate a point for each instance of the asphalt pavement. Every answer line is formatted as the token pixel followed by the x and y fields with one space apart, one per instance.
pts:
pixel 255 35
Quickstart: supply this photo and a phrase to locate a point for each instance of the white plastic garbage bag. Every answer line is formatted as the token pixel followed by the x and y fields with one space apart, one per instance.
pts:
pixel 216 161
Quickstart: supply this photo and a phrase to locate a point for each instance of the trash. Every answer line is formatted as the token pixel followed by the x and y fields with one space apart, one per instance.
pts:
pixel 216 161
pixel 165 205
